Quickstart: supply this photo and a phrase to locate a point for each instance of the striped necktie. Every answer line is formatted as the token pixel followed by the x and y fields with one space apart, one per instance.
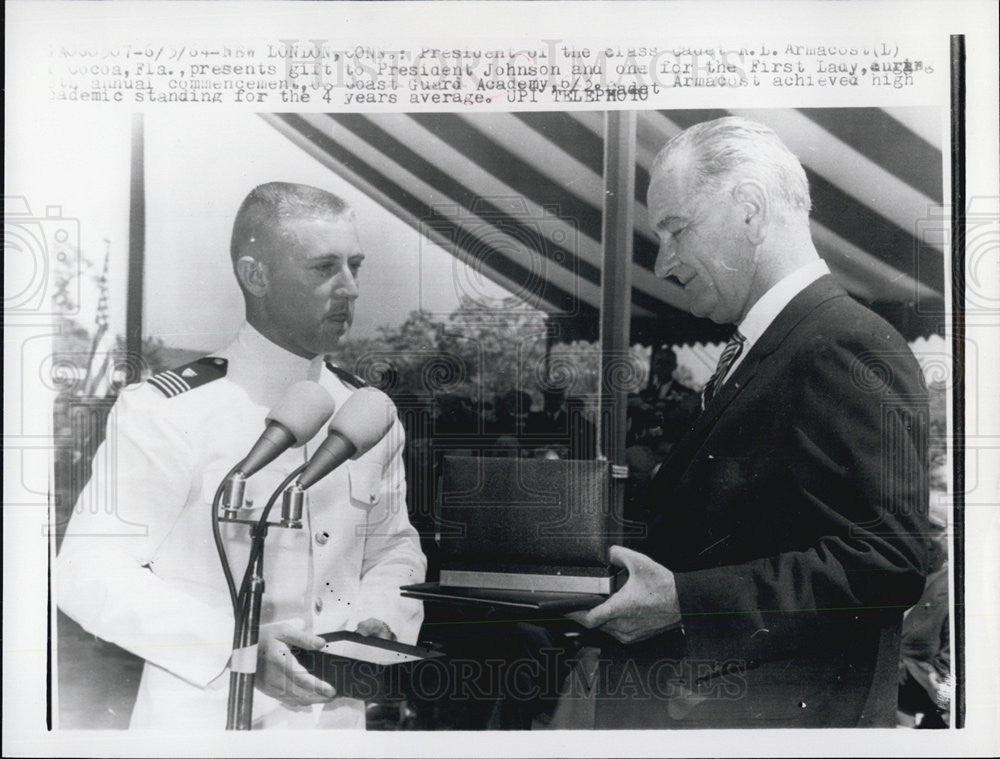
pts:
pixel 729 354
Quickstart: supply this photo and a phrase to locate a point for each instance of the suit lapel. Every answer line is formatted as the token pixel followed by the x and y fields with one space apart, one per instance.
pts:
pixel 798 308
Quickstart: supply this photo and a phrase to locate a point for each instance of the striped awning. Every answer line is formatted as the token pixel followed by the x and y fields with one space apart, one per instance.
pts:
pixel 518 196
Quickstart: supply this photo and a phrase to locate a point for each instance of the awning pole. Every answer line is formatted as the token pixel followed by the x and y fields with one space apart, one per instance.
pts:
pixel 136 242
pixel 616 282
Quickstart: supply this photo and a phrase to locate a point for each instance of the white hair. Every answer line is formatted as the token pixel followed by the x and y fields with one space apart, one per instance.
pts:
pixel 734 148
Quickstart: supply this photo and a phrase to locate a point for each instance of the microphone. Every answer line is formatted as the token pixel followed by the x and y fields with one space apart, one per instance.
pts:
pixel 360 423
pixel 293 422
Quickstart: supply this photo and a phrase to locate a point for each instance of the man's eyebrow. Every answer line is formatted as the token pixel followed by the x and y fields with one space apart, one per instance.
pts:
pixel 666 221
pixel 325 257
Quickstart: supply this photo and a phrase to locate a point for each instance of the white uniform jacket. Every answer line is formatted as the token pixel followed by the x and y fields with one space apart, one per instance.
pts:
pixel 143 573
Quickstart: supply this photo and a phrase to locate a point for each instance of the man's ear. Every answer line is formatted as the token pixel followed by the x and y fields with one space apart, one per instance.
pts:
pixel 753 203
pixel 252 275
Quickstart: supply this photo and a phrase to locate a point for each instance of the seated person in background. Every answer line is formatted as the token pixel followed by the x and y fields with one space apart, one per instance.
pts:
pixel 508 427
pixel 675 402
pixel 455 416
pixel 548 429
pixel 662 384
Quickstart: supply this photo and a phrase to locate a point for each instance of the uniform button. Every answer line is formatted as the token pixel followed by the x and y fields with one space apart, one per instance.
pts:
pixel 322 537
pixel 318 605
pixel 372 497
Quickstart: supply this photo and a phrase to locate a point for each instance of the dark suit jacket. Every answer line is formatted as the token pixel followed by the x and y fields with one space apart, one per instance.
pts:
pixel 794 516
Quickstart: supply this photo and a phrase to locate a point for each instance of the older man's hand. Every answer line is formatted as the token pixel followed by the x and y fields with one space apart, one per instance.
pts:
pixel 644 607
pixel 375 628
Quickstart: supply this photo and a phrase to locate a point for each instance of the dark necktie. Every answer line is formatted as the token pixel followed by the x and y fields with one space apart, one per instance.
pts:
pixel 729 354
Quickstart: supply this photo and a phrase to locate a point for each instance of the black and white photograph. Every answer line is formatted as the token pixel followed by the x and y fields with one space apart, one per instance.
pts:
pixel 597 384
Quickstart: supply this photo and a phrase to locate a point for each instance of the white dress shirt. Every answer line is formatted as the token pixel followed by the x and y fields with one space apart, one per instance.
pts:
pixel 763 313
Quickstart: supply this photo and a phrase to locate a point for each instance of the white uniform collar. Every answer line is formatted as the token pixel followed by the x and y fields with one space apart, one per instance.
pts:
pixel 269 368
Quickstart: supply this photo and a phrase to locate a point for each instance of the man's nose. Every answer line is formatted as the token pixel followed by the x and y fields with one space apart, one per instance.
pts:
pixel 665 259
pixel 345 285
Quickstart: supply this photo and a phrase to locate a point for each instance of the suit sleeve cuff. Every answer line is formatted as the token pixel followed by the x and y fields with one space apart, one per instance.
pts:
pixel 720 614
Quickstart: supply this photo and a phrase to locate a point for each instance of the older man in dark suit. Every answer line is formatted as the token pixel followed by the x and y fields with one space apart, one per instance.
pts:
pixel 791 526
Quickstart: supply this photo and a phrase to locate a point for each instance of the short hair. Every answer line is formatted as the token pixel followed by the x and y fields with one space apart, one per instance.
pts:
pixel 737 148
pixel 269 206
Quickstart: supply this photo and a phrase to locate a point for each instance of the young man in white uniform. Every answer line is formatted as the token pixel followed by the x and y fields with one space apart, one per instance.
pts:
pixel 144 573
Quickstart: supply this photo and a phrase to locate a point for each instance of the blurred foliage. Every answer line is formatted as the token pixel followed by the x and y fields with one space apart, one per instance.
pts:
pixel 481 354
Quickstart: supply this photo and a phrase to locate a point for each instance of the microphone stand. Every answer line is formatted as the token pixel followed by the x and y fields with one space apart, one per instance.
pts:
pixel 246 606
pixel 246 636
pixel 226 507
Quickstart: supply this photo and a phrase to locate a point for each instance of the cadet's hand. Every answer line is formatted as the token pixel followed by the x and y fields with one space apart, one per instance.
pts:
pixel 645 606
pixel 279 673
pixel 375 628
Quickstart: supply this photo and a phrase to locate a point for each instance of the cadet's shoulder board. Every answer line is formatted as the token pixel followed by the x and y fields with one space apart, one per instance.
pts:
pixel 173 382
pixel 351 380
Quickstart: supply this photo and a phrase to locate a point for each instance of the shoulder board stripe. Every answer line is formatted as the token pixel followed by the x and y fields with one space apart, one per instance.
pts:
pixel 173 382
pixel 175 376
pixel 158 382
pixel 351 380
pixel 169 378
pixel 170 382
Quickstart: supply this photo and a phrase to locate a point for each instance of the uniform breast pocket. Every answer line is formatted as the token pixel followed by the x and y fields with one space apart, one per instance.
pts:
pixel 365 482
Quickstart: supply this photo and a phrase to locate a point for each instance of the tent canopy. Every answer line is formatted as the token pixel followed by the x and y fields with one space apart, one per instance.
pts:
pixel 519 197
